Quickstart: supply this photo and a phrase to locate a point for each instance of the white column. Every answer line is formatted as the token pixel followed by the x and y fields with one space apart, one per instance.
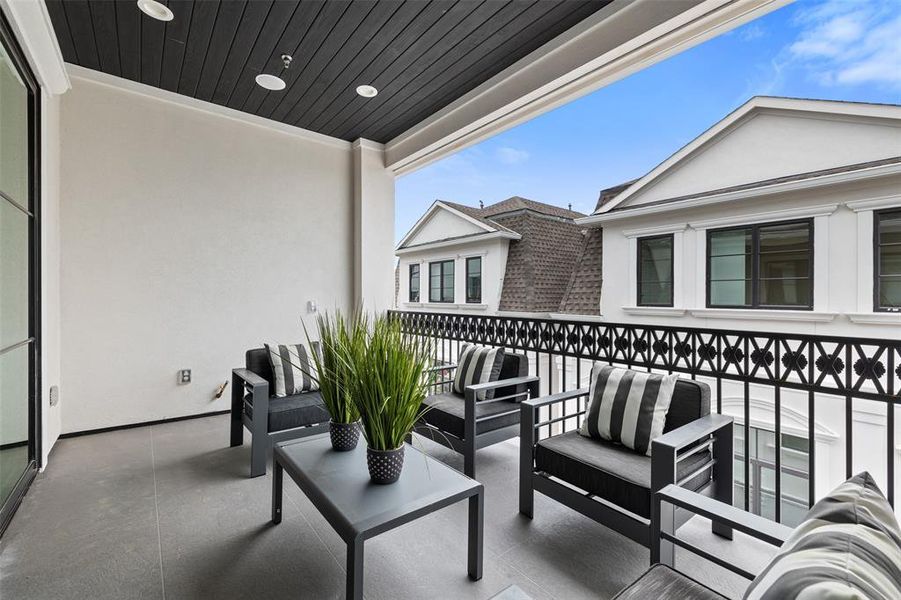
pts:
pixel 373 269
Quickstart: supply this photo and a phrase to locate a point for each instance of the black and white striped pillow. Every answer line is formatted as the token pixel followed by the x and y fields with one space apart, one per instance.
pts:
pixel 478 364
pixel 848 547
pixel 293 369
pixel 627 407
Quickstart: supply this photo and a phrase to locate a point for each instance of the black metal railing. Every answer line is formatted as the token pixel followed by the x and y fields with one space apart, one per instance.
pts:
pixel 845 368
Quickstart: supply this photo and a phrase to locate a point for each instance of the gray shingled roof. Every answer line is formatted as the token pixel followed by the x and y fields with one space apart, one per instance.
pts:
pixel 583 293
pixel 540 267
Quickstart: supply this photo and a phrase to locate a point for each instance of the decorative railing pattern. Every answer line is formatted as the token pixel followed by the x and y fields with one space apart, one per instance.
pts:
pixel 847 368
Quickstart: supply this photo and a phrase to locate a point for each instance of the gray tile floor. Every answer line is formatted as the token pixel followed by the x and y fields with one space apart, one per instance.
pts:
pixel 169 512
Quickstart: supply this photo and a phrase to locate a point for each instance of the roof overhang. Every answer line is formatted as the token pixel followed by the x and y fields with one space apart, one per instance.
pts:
pixel 864 174
pixel 622 38
pixel 459 241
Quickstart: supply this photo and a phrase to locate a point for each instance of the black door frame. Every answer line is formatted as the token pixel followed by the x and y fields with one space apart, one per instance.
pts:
pixel 35 446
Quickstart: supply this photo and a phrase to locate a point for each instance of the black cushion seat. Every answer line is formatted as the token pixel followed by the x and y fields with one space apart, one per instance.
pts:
pixel 446 413
pixel 661 582
pixel 609 471
pixel 293 411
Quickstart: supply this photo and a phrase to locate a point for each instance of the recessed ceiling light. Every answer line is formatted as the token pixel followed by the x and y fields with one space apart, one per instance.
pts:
pixel 270 82
pixel 367 91
pixel 155 9
pixel 273 82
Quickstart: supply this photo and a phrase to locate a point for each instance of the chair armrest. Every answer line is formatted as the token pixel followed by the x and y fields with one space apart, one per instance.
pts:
pixel 693 432
pixel 249 377
pixel 753 525
pixel 529 380
pixel 534 403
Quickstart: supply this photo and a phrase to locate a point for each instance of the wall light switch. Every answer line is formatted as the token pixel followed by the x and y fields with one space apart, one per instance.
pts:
pixel 184 376
pixel 311 306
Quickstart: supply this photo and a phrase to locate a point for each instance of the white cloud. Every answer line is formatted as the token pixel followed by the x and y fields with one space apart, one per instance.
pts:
pixel 849 43
pixel 511 156
pixel 751 32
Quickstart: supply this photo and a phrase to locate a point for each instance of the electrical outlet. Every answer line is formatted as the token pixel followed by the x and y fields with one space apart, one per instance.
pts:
pixel 184 376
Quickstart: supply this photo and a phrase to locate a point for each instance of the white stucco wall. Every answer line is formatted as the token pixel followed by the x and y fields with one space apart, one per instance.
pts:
pixel 187 238
pixel 494 262
pixel 768 145
pixel 442 225
pixel 843 250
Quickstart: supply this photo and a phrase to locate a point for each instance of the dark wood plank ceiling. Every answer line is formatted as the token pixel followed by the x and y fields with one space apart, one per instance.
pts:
pixel 420 55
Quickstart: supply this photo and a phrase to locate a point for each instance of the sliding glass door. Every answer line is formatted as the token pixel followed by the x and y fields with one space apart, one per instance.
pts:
pixel 19 277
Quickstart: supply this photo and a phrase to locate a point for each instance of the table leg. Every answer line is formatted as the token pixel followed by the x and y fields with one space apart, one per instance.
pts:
pixel 476 530
pixel 355 569
pixel 277 472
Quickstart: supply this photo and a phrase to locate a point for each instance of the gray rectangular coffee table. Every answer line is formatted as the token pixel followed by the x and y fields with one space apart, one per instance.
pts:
pixel 338 485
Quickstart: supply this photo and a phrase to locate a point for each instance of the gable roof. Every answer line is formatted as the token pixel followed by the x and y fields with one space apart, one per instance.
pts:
pixel 616 198
pixel 542 258
pixel 463 212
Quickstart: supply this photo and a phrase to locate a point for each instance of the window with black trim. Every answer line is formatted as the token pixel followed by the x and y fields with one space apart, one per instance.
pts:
pixel 414 283
pixel 655 270
pixel 761 266
pixel 887 260
pixel 474 280
pixel 441 281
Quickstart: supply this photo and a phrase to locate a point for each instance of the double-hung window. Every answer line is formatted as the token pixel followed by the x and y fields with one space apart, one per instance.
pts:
pixel 655 271
pixel 441 281
pixel 474 280
pixel 414 283
pixel 761 266
pixel 887 263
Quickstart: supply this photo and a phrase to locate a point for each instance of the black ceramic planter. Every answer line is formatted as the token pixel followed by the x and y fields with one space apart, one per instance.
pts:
pixel 344 435
pixel 385 465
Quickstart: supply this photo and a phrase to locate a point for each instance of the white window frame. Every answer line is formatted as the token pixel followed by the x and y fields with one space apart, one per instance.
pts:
pixel 866 270
pixel 633 235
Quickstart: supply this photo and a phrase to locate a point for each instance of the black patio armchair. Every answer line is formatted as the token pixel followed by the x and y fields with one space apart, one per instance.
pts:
pixel 465 424
pixel 269 418
pixel 662 579
pixel 612 484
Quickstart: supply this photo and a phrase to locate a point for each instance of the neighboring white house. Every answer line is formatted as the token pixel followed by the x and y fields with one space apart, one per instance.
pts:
pixel 517 256
pixel 783 217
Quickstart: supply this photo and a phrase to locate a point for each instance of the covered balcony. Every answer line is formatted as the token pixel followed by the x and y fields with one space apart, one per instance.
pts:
pixel 184 181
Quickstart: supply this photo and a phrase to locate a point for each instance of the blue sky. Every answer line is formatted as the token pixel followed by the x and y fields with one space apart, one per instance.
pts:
pixel 833 49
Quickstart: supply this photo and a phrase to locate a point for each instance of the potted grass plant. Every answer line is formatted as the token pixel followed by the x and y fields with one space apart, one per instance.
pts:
pixel 389 384
pixel 340 338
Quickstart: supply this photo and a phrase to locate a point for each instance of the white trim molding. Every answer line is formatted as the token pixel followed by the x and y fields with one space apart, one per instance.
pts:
pixel 649 231
pixel 756 314
pixel 654 311
pixel 767 190
pixel 466 239
pixel 876 318
pixel 879 203
pixel 790 214
pixel 134 87
pixel 33 29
